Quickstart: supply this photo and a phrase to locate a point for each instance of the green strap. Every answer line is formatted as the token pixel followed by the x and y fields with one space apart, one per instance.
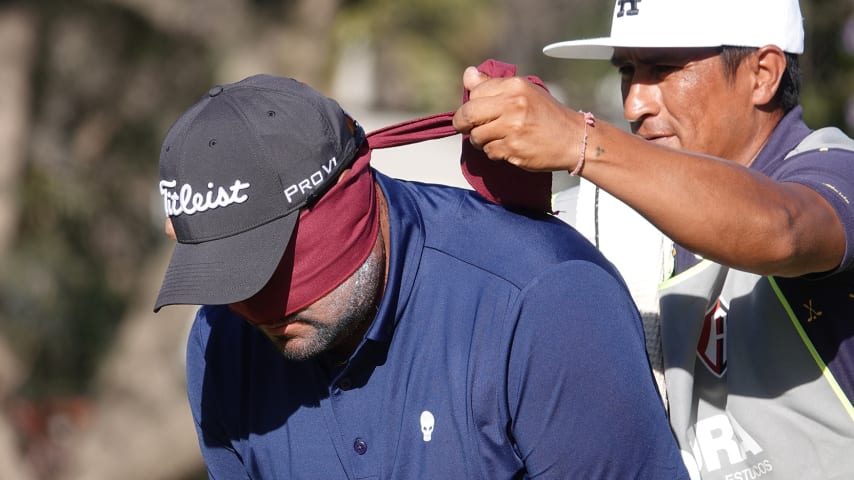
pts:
pixel 825 372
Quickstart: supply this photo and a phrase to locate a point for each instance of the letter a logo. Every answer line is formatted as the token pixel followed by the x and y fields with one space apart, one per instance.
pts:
pixel 712 345
pixel 631 11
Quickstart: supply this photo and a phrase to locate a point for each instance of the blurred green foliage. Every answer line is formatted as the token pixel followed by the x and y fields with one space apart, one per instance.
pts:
pixel 104 80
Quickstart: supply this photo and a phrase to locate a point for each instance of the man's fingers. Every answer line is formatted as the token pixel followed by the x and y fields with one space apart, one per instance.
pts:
pixel 475 113
pixel 488 138
pixel 472 77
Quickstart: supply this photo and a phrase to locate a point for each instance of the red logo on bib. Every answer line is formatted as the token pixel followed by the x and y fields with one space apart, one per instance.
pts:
pixel 712 345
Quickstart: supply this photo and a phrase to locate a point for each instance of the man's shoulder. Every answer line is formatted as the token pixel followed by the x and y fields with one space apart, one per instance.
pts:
pixel 822 140
pixel 224 351
pixel 220 316
pixel 217 328
pixel 450 206
pixel 450 211
pixel 793 142
pixel 797 148
pixel 461 224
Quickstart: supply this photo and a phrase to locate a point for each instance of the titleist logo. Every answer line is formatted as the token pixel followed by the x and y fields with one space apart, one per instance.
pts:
pixel 184 201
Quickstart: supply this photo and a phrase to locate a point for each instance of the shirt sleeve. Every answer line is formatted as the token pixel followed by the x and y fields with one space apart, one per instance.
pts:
pixel 222 460
pixel 581 394
pixel 828 172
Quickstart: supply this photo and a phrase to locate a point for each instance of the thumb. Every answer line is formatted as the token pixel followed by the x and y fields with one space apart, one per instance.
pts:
pixel 472 77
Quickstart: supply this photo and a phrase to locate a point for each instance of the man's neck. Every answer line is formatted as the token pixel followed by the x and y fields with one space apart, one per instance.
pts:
pixel 767 122
pixel 343 351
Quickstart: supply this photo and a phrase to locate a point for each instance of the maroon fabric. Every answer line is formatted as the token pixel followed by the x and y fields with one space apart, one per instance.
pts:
pixel 498 182
pixel 335 236
pixel 331 240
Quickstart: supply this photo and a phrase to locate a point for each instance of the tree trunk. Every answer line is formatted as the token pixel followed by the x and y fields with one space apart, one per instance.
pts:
pixel 17 46
pixel 140 415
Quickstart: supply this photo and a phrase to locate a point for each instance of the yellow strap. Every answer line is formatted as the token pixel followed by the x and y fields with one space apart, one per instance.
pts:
pixel 825 372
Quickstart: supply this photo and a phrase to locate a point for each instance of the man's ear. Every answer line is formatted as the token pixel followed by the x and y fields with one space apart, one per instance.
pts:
pixel 769 65
pixel 169 229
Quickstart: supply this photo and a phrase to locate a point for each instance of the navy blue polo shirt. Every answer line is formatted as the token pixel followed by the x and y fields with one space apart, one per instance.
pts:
pixel 505 347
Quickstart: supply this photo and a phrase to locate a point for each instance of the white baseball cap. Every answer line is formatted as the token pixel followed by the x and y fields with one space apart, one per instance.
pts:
pixel 693 23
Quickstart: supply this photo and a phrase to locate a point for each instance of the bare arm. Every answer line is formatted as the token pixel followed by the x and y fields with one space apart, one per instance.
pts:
pixel 714 207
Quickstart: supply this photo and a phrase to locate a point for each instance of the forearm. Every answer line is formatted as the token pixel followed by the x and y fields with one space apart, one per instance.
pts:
pixel 716 208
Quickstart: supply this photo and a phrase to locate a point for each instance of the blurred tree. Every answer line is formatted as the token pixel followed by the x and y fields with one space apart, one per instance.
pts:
pixel 828 64
pixel 107 79
pixel 97 115
pixel 420 47
pixel 97 89
pixel 533 24
pixel 17 46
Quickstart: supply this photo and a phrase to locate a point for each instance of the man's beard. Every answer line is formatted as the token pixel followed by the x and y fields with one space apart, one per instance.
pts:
pixel 357 310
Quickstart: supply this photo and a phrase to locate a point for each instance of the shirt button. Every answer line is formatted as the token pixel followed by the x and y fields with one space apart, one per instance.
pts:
pixel 360 446
pixel 345 384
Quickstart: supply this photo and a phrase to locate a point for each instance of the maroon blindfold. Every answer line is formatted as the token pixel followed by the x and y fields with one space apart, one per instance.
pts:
pixel 335 236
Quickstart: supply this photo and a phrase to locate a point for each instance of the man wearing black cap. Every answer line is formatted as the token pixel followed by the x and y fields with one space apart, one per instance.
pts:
pixel 357 326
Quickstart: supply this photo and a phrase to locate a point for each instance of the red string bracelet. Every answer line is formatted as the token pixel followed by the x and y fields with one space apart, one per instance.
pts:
pixel 589 120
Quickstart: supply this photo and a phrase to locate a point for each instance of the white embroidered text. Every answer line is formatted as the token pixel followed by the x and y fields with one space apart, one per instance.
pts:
pixel 185 201
pixel 312 181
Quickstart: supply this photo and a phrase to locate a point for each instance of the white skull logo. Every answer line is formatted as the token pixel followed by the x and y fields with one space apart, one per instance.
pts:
pixel 427 422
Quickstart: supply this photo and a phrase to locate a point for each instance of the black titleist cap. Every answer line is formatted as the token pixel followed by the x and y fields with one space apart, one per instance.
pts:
pixel 235 170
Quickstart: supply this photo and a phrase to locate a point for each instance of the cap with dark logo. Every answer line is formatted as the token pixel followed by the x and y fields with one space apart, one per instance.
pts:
pixel 235 171
pixel 692 24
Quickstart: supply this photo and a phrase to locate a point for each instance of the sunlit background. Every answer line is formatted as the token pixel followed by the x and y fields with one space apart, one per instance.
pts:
pixel 91 381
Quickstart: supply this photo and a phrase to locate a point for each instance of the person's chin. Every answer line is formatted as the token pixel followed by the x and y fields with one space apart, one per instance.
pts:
pixel 295 341
pixel 294 350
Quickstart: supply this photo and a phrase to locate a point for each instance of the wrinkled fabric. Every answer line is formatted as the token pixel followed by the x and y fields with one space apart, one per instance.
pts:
pixel 498 182
pixel 335 236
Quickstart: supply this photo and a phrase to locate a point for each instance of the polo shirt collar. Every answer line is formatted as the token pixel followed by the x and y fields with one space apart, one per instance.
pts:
pixel 405 246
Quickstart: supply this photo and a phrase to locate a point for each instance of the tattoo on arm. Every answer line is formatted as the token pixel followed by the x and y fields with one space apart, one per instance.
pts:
pixel 599 152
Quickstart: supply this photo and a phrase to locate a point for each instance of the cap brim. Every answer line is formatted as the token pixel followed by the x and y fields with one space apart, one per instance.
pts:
pixel 588 49
pixel 227 270
pixel 603 48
